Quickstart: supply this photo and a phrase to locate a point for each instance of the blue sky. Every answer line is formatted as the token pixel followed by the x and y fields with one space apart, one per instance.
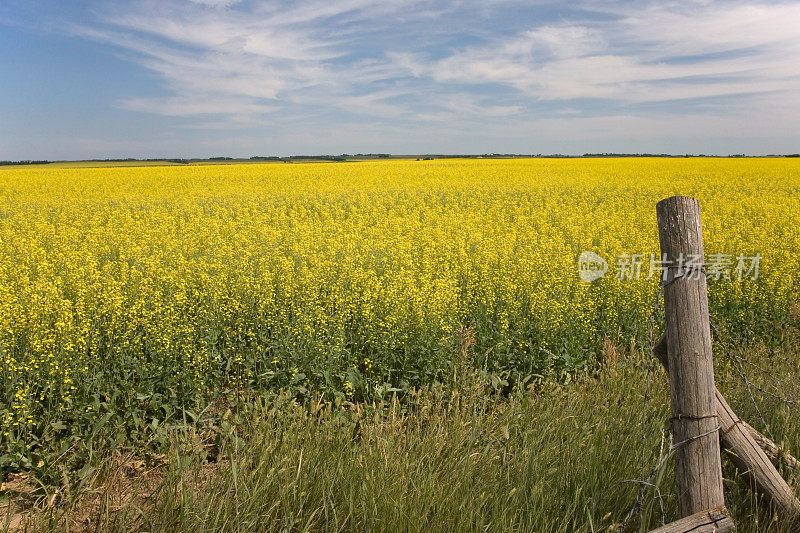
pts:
pixel 197 78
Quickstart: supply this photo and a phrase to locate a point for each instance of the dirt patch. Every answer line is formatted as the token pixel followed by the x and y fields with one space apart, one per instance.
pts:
pixel 125 484
pixel 17 500
pixel 123 492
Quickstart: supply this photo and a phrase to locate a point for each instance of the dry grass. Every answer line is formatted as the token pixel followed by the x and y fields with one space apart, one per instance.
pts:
pixel 450 458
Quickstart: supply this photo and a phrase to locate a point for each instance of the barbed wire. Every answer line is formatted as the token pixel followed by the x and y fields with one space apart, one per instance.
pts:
pixel 643 484
pixel 646 481
pixel 742 374
pixel 738 361
pixel 738 365
pixel 650 357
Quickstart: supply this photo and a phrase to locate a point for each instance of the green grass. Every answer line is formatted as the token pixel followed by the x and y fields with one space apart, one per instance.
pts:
pixel 452 457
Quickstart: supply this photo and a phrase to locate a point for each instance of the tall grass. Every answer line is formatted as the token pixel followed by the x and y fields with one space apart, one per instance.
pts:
pixel 453 457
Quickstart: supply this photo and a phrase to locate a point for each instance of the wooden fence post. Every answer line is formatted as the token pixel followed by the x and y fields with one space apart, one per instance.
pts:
pixel 712 521
pixel 698 469
pixel 750 451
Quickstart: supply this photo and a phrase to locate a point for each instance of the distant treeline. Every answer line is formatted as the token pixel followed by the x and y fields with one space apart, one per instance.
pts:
pixel 342 157
pixel 610 154
pixel 345 157
pixel 25 162
pixel 127 159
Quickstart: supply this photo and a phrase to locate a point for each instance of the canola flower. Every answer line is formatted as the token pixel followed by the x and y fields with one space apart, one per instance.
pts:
pixel 121 284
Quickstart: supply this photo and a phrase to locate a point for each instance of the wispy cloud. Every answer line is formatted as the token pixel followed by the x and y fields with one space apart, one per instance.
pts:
pixel 262 57
pixel 217 3
pixel 662 53
pixel 190 105
pixel 508 66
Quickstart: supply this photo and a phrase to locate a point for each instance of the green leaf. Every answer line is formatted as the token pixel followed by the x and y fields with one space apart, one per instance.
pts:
pixel 84 472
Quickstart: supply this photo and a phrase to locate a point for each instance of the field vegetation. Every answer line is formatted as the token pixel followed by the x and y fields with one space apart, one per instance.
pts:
pixel 401 345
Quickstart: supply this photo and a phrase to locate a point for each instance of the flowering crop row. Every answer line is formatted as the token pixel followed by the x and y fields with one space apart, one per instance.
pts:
pixel 119 285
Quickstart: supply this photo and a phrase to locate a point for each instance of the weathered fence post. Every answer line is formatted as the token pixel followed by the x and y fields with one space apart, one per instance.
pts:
pixel 750 451
pixel 698 469
pixel 712 521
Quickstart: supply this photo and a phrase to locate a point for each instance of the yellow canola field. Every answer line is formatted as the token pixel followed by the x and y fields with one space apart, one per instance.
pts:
pixel 118 285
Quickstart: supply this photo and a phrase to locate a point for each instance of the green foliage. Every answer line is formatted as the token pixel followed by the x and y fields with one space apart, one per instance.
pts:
pixel 458 456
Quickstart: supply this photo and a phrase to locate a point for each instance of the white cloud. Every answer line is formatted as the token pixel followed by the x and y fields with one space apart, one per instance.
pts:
pixel 217 3
pixel 202 105
pixel 438 61
pixel 266 52
pixel 659 54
